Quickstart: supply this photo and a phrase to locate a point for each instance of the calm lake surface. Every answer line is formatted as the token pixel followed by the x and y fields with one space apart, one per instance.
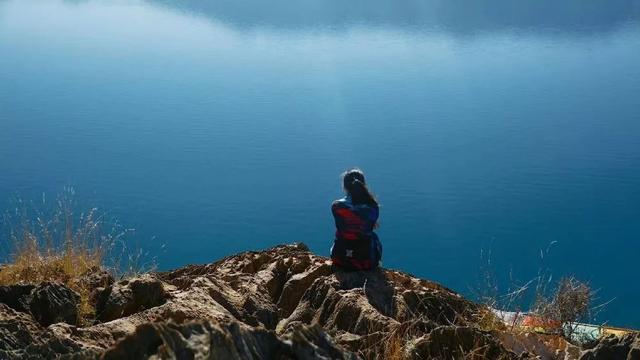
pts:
pixel 214 127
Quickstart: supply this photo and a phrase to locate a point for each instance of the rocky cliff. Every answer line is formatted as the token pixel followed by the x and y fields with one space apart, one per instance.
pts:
pixel 281 303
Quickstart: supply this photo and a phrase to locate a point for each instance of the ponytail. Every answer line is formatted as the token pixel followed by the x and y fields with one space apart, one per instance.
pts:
pixel 355 186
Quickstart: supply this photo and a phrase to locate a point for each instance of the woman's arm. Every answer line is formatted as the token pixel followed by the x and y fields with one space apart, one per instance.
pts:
pixel 334 207
pixel 375 217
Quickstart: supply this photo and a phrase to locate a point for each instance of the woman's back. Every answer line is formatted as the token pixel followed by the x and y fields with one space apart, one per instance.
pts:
pixel 356 245
pixel 354 221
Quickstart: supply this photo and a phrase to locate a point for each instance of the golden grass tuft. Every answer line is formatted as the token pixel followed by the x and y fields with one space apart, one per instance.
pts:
pixel 395 343
pixel 60 247
pixel 31 266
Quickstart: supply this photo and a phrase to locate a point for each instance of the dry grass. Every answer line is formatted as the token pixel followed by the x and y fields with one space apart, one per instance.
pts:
pixel 395 343
pixel 488 321
pixel 59 247
pixel 553 305
pixel 394 348
pixel 569 303
pixel 31 267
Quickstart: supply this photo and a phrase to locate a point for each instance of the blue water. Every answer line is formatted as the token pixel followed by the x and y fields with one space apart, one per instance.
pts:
pixel 214 127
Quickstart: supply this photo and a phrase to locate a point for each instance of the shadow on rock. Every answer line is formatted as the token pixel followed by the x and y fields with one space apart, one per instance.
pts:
pixel 129 297
pixel 373 284
pixel 48 303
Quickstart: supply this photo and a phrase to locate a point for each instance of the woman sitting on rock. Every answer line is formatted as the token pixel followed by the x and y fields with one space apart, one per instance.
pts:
pixel 356 246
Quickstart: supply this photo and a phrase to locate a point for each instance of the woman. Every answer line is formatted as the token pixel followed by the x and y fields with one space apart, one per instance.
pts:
pixel 356 246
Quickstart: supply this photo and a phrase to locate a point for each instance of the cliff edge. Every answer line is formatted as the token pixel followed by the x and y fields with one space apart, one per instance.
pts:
pixel 281 303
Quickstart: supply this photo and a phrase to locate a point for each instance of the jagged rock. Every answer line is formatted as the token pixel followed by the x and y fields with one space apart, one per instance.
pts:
pixel 48 303
pixel 615 348
pixel 17 296
pixel 52 303
pixel 206 340
pixel 311 342
pixel 545 346
pixel 297 284
pixel 95 281
pixel 17 331
pixel 457 342
pixel 96 278
pixel 129 297
pixel 281 303
pixel 21 337
pixel 358 307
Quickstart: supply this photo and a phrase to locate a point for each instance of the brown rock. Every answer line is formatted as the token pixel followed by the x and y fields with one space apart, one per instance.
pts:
pixel 129 297
pixel 234 340
pixel 52 303
pixel 615 348
pixel 295 287
pixel 546 346
pixel 48 303
pixel 23 338
pixel 17 296
pixel 281 303
pixel 457 342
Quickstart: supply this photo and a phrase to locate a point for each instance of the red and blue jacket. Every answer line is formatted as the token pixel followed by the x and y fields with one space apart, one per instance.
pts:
pixel 356 245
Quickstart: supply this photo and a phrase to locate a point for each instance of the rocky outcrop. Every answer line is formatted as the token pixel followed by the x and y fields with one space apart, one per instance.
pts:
pixel 53 303
pixel 614 348
pixel 226 340
pixel 281 303
pixel 48 303
pixel 544 346
pixel 21 337
pixel 17 296
pixel 458 342
pixel 129 297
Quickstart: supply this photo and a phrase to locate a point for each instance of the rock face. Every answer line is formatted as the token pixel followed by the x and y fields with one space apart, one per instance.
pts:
pixel 226 340
pixel 21 337
pixel 48 303
pixel 459 343
pixel 613 348
pixel 53 303
pixel 129 297
pixel 281 303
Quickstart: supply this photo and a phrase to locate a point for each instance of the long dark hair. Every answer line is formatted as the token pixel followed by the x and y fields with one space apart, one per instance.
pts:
pixel 354 184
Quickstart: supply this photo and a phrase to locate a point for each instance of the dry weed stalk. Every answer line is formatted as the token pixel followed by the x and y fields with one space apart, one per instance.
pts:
pixel 59 247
